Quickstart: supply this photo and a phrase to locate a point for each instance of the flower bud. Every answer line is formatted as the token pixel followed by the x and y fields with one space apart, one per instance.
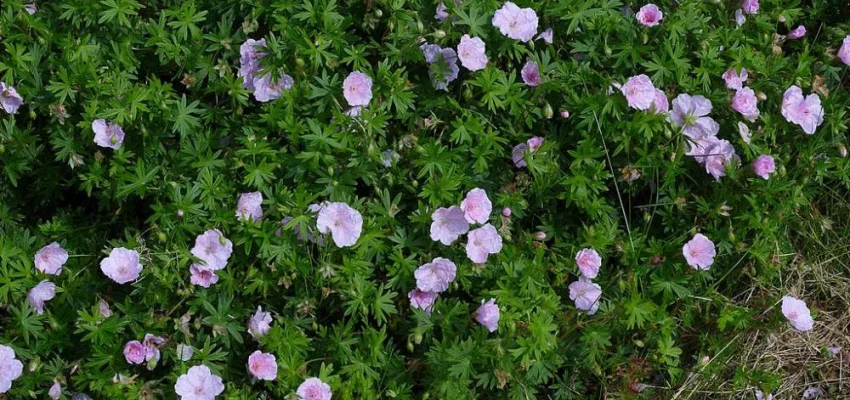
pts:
pixel 564 113
pixel 547 111
pixel 439 34
pixel 161 236
pixel 507 211
pixel 180 213
pixel 539 236
pixel 842 150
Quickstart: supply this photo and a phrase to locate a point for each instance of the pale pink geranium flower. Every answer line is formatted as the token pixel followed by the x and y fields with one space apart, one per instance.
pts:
pixel 262 365
pixel 660 104
pixel 535 143
pixel 41 293
pixel 122 265
pixel 152 353
pixel 440 14
pixel 202 275
pixel 134 352
pixel 714 154
pixel 107 134
pixel 343 222
pixel 250 206
pixel 260 323
pixel 586 295
pixel 518 155
pixel 797 32
pixel 761 396
pixel 199 384
pixel 422 300
pixel 185 352
pixel 691 114
pixel 268 88
pixel 483 242
pixel 314 389
pixel 843 52
pixel 10 100
pixel 516 23
pixel 471 52
pixel 589 262
pixel 476 206
pixel 649 15
pixel 806 112
pixel 745 102
pixel 548 36
pixel 55 391
pixel 740 19
pixel 250 54
pixel 103 308
pixel 699 252
pixel 735 80
pixel 357 89
pixel 750 6
pixel 764 166
pixel 448 224
pixel 31 9
pixel 531 74
pixel 639 92
pixel 436 275
pixel 797 313
pixel 213 249
pixel 744 132
pixel 10 368
pixel 50 259
pixel 488 315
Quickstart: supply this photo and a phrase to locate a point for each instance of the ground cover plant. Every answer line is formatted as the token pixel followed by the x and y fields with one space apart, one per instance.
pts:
pixel 409 199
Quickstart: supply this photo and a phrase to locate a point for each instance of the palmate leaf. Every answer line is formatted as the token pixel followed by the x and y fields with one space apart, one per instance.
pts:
pixel 474 19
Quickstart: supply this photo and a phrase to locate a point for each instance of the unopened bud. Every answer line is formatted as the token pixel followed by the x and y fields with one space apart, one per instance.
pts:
pixel 506 211
pixel 539 236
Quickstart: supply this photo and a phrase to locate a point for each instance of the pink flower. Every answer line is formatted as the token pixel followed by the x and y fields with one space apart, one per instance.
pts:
pixel 213 249
pixel 482 242
pixel 639 92
pixel 41 293
pixel 735 80
pixel 152 354
pixel 744 132
pixel 764 166
pixel 843 54
pixel 745 102
pixel 740 19
pixel 107 134
pixel 806 112
pixel 262 365
pixel 103 308
pixel 31 9
pixel 10 368
pixel 714 154
pixel 250 55
pixel 50 259
pixel 548 36
pixel 586 295
pixel 201 275
pixel 448 224
pixel 184 352
pixel 343 222
pixel 122 265
pixel 750 6
pixel 314 389
pixel 760 396
pixel 534 143
pixel 357 89
pixel 436 275
pixel 10 101
pixel 198 384
pixel 516 23
pixel 699 252
pixel 649 15
pixel 134 352
pixel 471 53
pixel 531 74
pixel 476 206
pixel 250 206
pixel 260 323
pixel 589 262
pixel 422 300
pixel 690 113
pixel 441 14
pixel 518 155
pixel 797 313
pixel 488 315
pixel 797 32
pixel 660 104
pixel 55 391
pixel 268 88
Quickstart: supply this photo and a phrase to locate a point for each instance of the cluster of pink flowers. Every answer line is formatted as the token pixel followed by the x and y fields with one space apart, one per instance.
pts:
pixel 448 224
pixel 519 151
pixel 744 100
pixel 699 252
pixel 442 64
pixel 691 114
pixel 136 352
pixel 213 250
pixel 641 94
pixel 10 100
pixel 805 111
pixel 516 23
pixel 107 134
pixel 583 292
pixel 266 87
pixel 649 15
